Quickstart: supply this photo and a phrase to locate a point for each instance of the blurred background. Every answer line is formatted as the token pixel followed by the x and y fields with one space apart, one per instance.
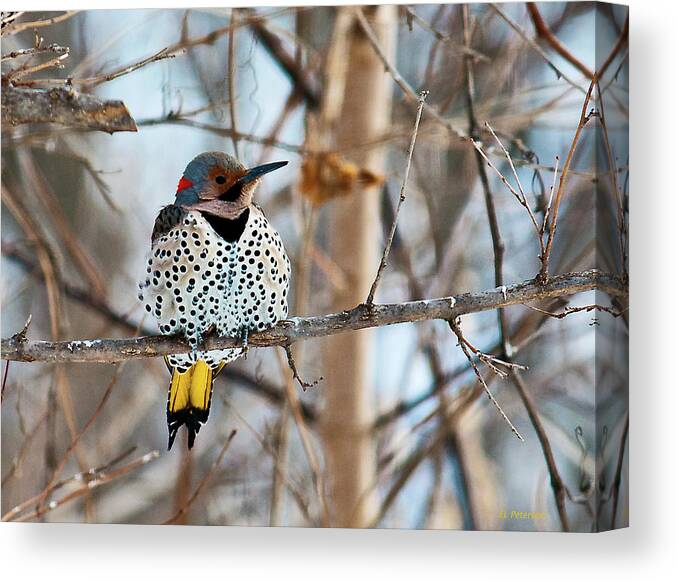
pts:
pixel 397 433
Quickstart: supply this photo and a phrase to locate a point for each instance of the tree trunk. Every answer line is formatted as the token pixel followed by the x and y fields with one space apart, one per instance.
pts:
pixel 354 235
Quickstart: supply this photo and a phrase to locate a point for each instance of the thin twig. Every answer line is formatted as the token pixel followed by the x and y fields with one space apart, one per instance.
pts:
pixel 401 199
pixel 295 373
pixel 557 484
pixel 552 191
pixel 445 38
pixel 583 120
pixel 301 501
pixel 232 72
pixel 21 26
pixel 16 74
pixel 522 198
pixel 621 40
pixel 92 473
pixel 507 349
pixel 4 381
pixel 95 483
pixel 178 119
pixel 493 222
pixel 406 88
pixel 612 167
pixel 316 473
pixel 570 310
pixel 545 32
pixel 530 41
pixel 203 482
pixel 463 344
pixel 492 361
pixel 105 77
pixel 300 78
pixel 30 52
pixel 618 472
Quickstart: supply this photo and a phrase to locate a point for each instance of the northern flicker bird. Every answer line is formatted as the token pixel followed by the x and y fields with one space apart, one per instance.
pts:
pixel 216 264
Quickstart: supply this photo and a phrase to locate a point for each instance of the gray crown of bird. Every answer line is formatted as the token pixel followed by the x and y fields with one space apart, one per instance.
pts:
pixel 216 264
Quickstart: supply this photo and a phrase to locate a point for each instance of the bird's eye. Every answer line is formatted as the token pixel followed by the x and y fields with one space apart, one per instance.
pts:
pixel 220 179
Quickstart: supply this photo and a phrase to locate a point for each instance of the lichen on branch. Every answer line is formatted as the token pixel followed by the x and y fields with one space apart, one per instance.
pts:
pixel 64 106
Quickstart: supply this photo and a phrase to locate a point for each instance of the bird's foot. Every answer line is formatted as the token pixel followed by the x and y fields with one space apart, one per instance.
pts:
pixel 244 335
pixel 196 341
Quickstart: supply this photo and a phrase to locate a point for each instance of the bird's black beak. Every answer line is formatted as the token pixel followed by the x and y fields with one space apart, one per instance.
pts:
pixel 257 172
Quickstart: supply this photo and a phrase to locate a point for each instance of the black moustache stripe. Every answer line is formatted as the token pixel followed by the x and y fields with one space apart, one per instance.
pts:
pixel 232 194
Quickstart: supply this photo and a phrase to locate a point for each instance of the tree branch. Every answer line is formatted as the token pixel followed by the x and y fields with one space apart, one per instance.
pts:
pixel 298 329
pixel 21 26
pixel 557 484
pixel 64 106
pixel 401 199
pixel 535 47
pixel 543 30
pixel 409 93
pixel 301 79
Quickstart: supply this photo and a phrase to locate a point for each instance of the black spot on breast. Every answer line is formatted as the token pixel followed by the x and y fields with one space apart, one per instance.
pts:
pixel 229 229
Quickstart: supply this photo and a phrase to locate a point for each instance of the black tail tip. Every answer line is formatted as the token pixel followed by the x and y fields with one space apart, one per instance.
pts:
pixel 191 438
pixel 191 418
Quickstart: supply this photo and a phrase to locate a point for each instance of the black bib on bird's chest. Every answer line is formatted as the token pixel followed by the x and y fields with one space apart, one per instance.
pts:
pixel 230 229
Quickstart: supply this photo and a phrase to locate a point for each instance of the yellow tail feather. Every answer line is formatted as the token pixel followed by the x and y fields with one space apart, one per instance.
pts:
pixel 189 398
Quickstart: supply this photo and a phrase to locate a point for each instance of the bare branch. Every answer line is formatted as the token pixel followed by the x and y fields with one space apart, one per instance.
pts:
pixel 99 479
pixel 182 510
pixel 299 329
pixel 293 366
pixel 618 472
pixel 546 33
pixel 507 349
pixel 406 88
pixel 570 310
pixel 446 38
pixel 30 52
pixel 104 78
pixel 232 74
pixel 181 119
pixel 522 198
pixel 24 70
pixel 401 199
pixel 498 247
pixel 531 42
pixel 623 38
pixel 583 120
pixel 464 345
pixel 316 473
pixel 273 45
pixel 21 26
pixel 66 107
pixel 557 484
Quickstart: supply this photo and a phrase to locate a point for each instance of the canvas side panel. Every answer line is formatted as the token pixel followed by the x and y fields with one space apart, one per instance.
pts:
pixel 611 329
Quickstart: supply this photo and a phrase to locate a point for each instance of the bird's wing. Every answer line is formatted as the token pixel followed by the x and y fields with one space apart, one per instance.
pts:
pixel 166 220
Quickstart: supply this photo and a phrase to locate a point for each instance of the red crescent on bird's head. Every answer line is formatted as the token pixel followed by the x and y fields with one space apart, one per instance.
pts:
pixel 183 184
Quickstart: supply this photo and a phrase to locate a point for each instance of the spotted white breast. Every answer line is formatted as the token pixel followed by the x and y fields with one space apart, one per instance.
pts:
pixel 197 281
